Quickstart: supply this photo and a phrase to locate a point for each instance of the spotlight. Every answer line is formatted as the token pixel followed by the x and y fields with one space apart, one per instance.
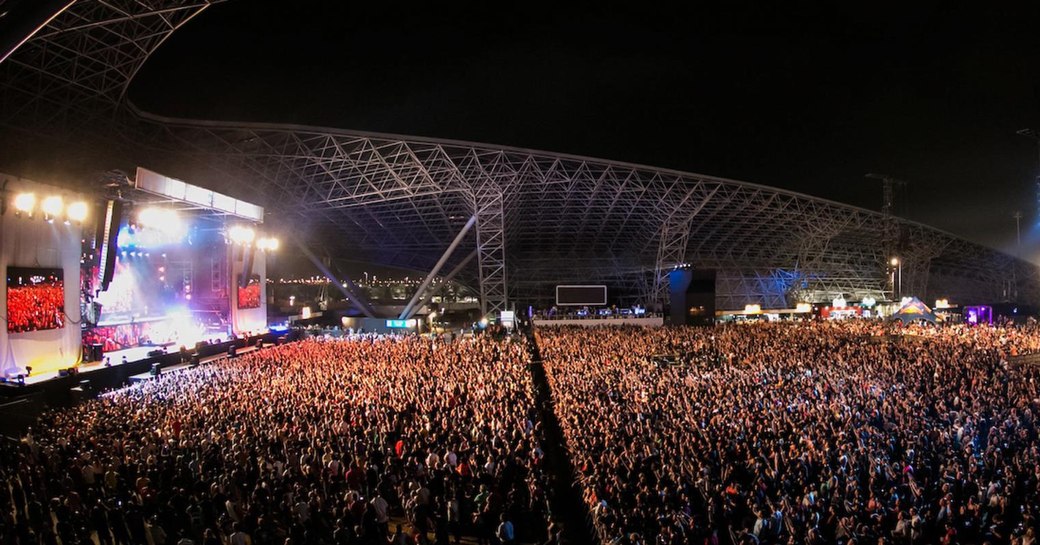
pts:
pixel 77 211
pixel 24 203
pixel 241 234
pixel 161 219
pixel 52 207
pixel 267 244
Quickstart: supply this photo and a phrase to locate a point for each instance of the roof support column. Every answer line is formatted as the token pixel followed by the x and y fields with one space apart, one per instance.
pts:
pixel 437 289
pixel 675 237
pixel 408 309
pixel 350 291
pixel 491 248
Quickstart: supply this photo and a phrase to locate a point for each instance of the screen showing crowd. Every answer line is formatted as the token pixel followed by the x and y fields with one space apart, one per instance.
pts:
pixel 35 299
pixel 249 296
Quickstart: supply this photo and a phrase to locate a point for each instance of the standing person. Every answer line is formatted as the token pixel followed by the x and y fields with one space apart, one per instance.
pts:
pixel 454 523
pixel 381 510
pixel 505 533
pixel 238 537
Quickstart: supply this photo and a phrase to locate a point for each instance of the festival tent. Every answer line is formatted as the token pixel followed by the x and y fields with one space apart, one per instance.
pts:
pixel 914 309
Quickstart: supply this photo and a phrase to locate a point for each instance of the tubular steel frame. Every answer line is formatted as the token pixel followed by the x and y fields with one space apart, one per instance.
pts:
pixel 542 218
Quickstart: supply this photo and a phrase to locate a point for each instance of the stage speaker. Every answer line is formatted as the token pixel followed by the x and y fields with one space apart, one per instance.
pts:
pixel 156 369
pixel 194 360
pixel 109 230
pixel 232 351
pixel 691 297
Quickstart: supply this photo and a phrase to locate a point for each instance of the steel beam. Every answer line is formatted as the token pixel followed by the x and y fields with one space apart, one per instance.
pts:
pixel 360 302
pixel 437 268
pixel 447 278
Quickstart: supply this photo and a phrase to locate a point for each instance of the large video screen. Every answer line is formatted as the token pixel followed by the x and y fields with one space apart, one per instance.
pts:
pixel 35 299
pixel 142 287
pixel 249 296
pixel 581 295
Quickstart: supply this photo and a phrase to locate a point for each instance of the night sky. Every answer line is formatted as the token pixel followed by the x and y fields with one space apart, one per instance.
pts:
pixel 805 98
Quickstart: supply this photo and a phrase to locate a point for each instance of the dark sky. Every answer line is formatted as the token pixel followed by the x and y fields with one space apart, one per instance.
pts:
pixel 803 97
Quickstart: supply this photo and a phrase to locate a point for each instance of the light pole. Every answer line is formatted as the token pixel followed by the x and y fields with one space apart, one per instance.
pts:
pixel 898 272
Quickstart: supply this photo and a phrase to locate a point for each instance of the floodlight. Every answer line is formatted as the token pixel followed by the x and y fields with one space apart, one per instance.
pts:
pixel 52 207
pixel 24 202
pixel 241 234
pixel 77 211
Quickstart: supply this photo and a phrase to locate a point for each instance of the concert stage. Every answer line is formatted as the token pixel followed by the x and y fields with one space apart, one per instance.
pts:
pixel 142 262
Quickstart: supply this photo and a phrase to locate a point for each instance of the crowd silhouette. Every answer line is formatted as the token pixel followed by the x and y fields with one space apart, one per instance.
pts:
pixel 816 433
pixel 365 440
pixel 813 433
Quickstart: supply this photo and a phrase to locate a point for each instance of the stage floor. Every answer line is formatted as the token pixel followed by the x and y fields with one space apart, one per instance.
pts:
pixel 136 353
pixel 133 355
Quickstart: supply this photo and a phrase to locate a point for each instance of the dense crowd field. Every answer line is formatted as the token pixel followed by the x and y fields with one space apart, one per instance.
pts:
pixel 813 433
pixel 309 443
pixel 817 433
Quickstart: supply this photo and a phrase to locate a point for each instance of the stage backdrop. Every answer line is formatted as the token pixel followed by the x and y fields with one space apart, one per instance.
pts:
pixel 248 320
pixel 35 243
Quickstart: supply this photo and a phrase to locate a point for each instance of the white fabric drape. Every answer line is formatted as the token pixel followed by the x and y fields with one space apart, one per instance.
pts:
pixel 34 242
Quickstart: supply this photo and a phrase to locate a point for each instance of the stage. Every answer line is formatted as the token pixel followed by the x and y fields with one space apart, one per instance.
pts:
pixel 84 370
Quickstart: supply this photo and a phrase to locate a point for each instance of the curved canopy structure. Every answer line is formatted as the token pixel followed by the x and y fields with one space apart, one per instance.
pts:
pixel 542 218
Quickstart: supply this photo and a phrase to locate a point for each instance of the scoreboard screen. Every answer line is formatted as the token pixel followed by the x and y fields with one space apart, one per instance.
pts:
pixel 581 295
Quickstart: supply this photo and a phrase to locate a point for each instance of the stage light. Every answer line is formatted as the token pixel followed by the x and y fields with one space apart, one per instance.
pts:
pixel 77 211
pixel 267 244
pixel 24 203
pixel 895 261
pixel 52 207
pixel 163 220
pixel 240 234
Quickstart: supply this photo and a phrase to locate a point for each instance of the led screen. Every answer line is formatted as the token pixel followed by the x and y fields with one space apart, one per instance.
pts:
pixel 249 296
pixel 35 299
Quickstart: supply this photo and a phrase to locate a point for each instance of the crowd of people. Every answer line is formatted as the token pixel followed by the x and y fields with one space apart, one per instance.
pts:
pixel 815 433
pixel 35 307
pixel 362 440
pixel 767 433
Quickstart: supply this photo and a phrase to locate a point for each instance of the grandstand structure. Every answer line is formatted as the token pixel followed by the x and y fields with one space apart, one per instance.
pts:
pixel 541 218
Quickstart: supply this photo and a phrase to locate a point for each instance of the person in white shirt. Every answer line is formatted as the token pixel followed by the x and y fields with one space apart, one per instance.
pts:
pixel 381 508
pixel 238 537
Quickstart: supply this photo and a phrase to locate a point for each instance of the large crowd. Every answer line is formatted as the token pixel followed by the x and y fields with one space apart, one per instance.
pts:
pixel 817 433
pixel 367 440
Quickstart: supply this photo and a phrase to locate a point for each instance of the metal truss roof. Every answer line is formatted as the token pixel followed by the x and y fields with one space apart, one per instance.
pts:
pixel 543 218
